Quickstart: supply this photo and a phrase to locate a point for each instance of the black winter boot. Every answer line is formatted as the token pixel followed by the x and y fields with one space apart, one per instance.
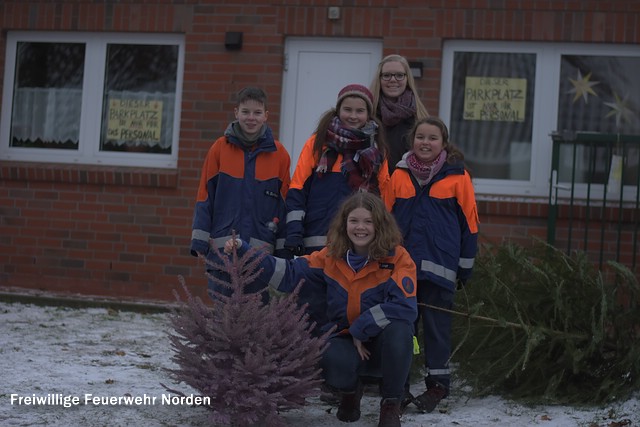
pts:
pixel 349 408
pixel 428 400
pixel 389 413
pixel 406 400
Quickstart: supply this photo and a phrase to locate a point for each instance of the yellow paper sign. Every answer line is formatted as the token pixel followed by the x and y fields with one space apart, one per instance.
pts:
pixel 498 99
pixel 134 120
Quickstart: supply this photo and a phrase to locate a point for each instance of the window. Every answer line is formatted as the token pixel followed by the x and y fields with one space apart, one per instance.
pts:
pixel 497 103
pixel 599 94
pixel 503 101
pixel 87 98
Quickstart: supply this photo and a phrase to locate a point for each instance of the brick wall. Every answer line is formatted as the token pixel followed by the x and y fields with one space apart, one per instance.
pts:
pixel 125 233
pixel 603 234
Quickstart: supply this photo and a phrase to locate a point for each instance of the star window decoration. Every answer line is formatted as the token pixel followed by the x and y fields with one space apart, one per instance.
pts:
pixel 582 87
pixel 620 110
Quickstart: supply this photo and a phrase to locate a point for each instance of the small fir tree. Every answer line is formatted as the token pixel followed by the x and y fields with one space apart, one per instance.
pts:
pixel 252 360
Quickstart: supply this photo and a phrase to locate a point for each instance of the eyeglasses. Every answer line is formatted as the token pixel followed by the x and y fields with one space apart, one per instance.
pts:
pixel 398 76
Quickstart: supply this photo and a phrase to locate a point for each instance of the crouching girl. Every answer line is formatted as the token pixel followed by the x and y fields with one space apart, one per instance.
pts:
pixel 368 283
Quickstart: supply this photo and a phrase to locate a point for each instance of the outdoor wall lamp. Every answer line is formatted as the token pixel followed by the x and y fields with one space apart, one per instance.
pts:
pixel 416 69
pixel 233 40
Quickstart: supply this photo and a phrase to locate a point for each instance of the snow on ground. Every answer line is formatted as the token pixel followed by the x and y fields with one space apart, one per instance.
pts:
pixel 100 353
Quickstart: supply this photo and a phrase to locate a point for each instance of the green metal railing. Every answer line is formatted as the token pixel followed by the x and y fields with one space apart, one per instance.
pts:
pixel 594 195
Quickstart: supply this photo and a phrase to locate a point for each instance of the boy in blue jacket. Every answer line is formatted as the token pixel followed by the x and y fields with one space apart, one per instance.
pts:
pixel 244 181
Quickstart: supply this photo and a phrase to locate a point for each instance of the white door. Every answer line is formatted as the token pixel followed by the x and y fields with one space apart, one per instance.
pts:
pixel 315 71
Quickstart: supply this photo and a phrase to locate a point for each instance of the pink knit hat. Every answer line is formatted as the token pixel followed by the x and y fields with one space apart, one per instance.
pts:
pixel 356 90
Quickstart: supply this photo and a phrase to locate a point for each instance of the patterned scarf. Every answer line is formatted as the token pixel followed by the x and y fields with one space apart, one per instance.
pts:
pixel 424 172
pixel 393 112
pixel 361 158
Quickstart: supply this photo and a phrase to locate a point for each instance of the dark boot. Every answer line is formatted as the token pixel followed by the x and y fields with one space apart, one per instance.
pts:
pixel 349 408
pixel 407 398
pixel 428 400
pixel 389 413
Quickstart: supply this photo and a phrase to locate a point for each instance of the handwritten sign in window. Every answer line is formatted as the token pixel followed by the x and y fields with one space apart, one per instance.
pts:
pixel 497 99
pixel 135 120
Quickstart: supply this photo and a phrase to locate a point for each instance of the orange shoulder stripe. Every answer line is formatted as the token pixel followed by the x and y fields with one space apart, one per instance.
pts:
pixel 459 187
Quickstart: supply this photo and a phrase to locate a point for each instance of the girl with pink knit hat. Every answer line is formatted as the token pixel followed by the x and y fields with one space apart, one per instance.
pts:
pixel 345 154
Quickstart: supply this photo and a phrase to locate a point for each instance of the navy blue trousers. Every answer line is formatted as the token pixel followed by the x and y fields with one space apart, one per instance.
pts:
pixel 436 331
pixel 391 354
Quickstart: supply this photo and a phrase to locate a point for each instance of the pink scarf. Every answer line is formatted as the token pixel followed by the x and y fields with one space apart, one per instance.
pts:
pixel 424 172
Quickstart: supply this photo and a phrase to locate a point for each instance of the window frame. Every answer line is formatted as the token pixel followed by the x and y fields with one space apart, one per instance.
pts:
pixel 545 114
pixel 88 152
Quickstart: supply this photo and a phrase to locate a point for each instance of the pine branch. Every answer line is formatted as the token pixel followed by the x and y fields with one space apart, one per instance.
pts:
pixel 502 322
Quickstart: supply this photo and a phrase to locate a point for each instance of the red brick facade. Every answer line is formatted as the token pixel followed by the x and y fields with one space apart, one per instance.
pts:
pixel 125 232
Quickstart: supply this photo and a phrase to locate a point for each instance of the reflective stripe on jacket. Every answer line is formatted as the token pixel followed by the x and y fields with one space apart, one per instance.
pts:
pixel 313 199
pixel 361 303
pixel 243 191
pixel 439 222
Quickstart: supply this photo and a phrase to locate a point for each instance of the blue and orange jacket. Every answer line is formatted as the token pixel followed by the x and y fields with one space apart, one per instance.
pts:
pixel 313 199
pixel 244 191
pixel 439 222
pixel 361 303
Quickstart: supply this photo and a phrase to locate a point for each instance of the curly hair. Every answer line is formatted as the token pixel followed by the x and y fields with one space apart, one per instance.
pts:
pixel 387 232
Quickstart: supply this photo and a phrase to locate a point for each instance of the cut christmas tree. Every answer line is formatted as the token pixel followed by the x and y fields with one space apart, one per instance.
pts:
pixel 535 324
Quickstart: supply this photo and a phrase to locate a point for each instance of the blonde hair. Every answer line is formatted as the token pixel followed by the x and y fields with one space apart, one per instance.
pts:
pixel 388 234
pixel 421 110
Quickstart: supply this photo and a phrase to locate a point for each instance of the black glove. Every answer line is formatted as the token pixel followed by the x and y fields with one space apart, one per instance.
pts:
pixel 295 250
pixel 460 283
pixel 284 253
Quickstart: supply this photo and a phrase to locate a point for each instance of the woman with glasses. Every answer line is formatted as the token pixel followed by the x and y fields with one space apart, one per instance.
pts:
pixel 396 104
